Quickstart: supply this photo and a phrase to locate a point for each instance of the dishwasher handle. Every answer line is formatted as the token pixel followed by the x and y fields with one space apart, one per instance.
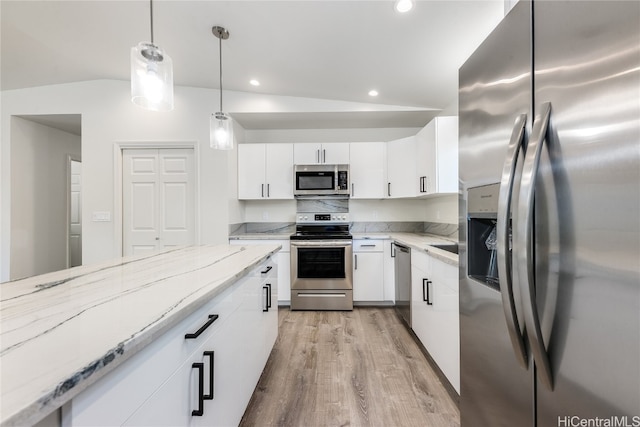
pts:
pixel 402 248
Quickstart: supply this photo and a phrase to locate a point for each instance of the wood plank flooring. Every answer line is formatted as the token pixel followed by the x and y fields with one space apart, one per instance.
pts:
pixel 358 368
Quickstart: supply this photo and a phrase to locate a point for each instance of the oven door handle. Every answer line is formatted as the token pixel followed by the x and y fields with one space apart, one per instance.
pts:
pixel 322 243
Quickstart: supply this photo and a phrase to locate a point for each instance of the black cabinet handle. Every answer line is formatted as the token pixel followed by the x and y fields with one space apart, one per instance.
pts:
pixel 198 412
pixel 211 356
pixel 269 291
pixel 196 334
pixel 267 305
pixel 268 269
pixel 425 291
pixel 389 189
pixel 262 193
pixel 268 190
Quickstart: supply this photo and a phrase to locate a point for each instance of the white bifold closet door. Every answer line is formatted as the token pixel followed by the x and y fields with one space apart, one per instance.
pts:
pixel 158 199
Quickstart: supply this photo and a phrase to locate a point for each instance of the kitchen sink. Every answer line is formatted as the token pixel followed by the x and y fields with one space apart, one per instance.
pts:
pixel 453 248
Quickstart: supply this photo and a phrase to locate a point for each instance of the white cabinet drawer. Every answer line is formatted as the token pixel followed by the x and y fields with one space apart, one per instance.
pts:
pixel 174 403
pixel 367 245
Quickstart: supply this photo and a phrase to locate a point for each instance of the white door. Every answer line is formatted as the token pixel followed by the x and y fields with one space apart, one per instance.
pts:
pixel 401 168
pixel 251 171
pixel 279 171
pixel 75 214
pixel 367 168
pixel 158 199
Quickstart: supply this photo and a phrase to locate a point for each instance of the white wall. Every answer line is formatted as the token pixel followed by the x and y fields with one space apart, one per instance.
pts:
pixel 39 160
pixel 109 118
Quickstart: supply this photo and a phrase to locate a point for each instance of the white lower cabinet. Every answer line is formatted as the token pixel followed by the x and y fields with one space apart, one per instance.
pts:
pixel 205 379
pixel 368 270
pixel 434 312
pixel 185 398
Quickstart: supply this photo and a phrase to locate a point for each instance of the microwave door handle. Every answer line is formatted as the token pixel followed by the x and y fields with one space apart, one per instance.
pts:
pixel 523 244
pixel 502 234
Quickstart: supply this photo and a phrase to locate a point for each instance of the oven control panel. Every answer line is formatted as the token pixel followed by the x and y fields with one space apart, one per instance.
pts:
pixel 322 218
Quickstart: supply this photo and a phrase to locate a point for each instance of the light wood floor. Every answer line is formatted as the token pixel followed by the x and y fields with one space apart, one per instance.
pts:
pixel 359 368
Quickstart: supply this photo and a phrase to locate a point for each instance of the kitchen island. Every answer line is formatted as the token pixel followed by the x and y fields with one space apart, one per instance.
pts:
pixel 64 331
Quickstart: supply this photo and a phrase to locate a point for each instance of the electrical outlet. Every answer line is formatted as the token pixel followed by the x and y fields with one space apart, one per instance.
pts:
pixel 265 215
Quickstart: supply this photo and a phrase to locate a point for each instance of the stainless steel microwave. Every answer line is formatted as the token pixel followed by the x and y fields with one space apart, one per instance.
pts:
pixel 321 180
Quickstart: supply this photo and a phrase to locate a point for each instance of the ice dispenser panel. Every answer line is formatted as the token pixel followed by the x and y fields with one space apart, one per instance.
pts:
pixel 482 263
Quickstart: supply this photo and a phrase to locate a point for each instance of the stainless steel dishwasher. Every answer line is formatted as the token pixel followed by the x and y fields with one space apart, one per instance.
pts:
pixel 403 282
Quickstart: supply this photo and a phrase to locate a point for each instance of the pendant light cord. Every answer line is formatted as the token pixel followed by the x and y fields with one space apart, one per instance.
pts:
pixel 151 16
pixel 220 53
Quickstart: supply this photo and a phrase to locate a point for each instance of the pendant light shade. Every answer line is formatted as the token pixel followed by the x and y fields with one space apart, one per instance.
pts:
pixel 151 75
pixel 221 131
pixel 221 124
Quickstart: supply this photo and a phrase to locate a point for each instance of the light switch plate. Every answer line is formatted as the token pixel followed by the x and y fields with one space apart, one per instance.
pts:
pixel 101 216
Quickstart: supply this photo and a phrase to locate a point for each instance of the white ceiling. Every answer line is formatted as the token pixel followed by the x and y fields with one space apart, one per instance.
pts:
pixel 318 49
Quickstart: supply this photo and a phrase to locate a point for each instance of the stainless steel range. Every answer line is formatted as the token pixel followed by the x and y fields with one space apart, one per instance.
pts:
pixel 321 262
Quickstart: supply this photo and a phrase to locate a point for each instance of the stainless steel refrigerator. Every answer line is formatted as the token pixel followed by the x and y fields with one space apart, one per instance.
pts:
pixel 549 161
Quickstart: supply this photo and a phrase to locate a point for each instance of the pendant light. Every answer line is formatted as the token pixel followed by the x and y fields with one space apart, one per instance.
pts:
pixel 221 124
pixel 151 75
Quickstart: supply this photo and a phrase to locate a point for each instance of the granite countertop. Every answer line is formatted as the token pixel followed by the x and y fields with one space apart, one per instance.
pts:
pixel 62 331
pixel 416 241
pixel 260 236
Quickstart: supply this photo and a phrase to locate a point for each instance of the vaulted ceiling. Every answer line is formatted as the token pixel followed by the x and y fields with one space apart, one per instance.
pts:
pixel 319 49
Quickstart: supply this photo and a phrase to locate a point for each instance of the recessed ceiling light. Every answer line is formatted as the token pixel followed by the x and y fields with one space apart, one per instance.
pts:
pixel 403 6
pixel 254 82
pixel 373 92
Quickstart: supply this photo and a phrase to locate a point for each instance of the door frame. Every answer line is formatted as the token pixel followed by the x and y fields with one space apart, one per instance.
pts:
pixel 118 151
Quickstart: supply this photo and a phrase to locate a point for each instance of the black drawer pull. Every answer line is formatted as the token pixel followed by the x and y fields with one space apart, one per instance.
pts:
pixel 196 334
pixel 198 412
pixel 267 270
pixel 211 355
pixel 267 286
pixel 425 291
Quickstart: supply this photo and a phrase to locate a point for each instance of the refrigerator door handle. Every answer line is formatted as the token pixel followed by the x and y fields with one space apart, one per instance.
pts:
pixel 524 245
pixel 502 231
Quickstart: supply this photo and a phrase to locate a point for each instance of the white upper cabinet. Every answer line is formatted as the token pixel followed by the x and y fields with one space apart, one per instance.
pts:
pixel 368 170
pixel 333 153
pixel 401 167
pixel 437 154
pixel 265 171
